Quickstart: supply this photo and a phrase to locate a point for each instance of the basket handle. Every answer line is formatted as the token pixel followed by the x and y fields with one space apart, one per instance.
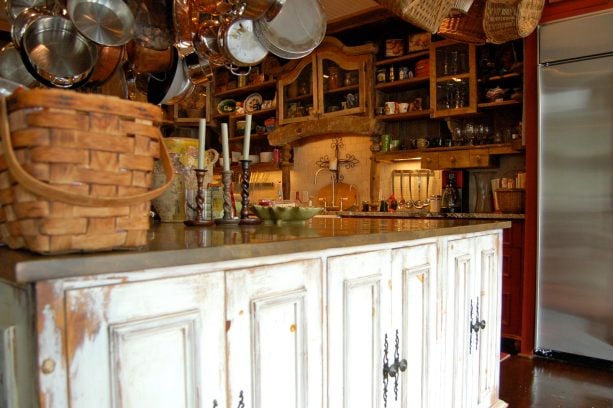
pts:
pixel 50 192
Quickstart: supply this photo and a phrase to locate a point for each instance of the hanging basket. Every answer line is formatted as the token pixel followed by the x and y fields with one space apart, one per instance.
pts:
pixel 465 27
pixel 76 171
pixel 507 20
pixel 425 14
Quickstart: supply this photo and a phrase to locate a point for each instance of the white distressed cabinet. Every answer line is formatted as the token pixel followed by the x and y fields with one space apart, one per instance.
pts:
pixel 416 315
pixel 472 325
pixel 274 335
pixel 358 318
pixel 297 330
pixel 156 343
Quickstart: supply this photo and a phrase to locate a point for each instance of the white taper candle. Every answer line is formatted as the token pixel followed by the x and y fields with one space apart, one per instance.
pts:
pixel 225 148
pixel 201 148
pixel 247 137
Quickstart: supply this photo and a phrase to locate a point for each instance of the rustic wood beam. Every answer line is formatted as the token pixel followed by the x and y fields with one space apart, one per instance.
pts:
pixel 296 133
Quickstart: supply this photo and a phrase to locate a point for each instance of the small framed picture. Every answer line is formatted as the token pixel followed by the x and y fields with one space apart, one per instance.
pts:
pixel 419 42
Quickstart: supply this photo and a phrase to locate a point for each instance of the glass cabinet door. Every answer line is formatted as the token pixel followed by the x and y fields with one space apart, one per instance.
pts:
pixel 296 97
pixel 454 90
pixel 342 84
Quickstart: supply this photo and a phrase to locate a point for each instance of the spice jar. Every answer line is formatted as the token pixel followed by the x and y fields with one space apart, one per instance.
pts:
pixel 333 78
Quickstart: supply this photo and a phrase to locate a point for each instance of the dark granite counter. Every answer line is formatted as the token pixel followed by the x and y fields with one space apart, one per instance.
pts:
pixel 173 245
pixel 421 214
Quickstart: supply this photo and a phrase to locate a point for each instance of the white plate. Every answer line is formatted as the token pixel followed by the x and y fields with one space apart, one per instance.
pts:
pixel 253 103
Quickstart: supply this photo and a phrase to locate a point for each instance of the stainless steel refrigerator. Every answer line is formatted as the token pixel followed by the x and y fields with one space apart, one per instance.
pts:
pixel 575 182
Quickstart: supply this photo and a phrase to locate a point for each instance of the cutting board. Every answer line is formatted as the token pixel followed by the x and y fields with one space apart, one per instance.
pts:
pixel 341 190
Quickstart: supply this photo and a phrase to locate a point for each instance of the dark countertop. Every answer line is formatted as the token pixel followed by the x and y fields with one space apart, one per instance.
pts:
pixel 421 214
pixel 171 244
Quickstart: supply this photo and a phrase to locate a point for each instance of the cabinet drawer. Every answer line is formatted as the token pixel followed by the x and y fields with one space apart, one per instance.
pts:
pixel 479 159
pixel 456 159
pixel 429 161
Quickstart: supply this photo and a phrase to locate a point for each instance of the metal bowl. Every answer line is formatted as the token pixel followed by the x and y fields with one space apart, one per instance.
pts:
pixel 105 22
pixel 56 54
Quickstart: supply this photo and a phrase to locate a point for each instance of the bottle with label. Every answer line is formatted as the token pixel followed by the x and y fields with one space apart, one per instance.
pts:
pixel 391 74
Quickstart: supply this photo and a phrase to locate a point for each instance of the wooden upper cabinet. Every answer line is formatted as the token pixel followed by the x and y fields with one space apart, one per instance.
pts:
pixel 334 80
pixel 453 84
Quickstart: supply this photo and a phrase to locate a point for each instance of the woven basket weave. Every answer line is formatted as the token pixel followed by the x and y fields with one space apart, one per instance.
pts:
pixel 465 27
pixel 426 14
pixel 510 200
pixel 76 171
pixel 506 20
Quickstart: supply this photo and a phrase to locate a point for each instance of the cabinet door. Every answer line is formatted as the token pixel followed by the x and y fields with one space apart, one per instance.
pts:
pixel 453 88
pixel 296 92
pixel 358 317
pixel 472 349
pixel 459 288
pixel 416 314
pixel 274 334
pixel 486 352
pixel 343 84
pixel 157 343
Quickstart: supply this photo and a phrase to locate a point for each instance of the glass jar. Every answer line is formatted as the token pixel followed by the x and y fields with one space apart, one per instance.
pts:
pixel 333 77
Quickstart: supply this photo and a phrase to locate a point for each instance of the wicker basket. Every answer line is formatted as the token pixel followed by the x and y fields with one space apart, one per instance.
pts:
pixel 506 20
pixel 76 171
pixel 426 14
pixel 465 27
pixel 510 200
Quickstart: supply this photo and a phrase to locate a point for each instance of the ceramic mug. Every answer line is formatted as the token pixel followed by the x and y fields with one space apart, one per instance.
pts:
pixel 403 107
pixel 422 143
pixel 390 108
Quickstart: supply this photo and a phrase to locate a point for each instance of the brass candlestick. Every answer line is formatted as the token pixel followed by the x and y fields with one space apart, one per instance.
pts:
pixel 227 218
pixel 200 219
pixel 245 219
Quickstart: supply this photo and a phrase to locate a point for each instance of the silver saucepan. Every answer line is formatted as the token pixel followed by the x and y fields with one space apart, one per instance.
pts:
pixel 56 53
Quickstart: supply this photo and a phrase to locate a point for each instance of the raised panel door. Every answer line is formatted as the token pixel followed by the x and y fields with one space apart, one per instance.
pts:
pixel 486 354
pixel 417 315
pixel 157 343
pixel 459 287
pixel 358 302
pixel 274 335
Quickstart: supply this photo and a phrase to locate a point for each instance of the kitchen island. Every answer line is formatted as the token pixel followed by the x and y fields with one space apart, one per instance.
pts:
pixel 313 315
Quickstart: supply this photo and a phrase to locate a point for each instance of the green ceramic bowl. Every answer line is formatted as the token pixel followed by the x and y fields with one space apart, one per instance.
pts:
pixel 280 215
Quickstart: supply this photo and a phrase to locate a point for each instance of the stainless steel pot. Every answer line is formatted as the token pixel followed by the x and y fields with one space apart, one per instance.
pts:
pixel 296 31
pixel 12 67
pixel 56 53
pixel 239 44
pixel 105 22
pixel 24 19
pixel 170 87
pixel 16 7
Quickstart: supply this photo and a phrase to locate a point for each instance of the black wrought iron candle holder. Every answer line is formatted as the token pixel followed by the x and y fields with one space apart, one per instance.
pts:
pixel 245 219
pixel 227 218
pixel 200 218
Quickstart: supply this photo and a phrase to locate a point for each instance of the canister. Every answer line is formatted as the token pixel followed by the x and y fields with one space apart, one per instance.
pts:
pixel 385 143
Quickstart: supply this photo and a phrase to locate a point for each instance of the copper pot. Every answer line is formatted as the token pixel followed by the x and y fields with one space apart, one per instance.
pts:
pixel 146 60
pixel 109 59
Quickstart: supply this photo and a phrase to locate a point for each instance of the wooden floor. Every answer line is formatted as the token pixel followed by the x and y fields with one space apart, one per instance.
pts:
pixel 544 383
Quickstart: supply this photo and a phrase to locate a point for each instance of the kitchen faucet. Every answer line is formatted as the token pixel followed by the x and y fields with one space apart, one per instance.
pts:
pixel 332 177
